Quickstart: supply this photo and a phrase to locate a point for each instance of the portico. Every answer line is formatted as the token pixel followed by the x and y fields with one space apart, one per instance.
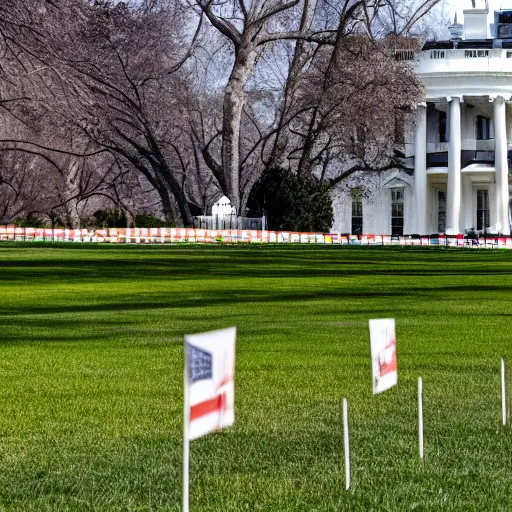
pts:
pixel 458 174
pixel 462 127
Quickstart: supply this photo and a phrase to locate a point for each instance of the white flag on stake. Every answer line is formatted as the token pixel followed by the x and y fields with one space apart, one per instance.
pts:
pixel 209 390
pixel 383 350
pixel 209 381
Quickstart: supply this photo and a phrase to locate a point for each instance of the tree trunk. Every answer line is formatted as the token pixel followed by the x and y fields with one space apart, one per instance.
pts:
pixel 305 163
pixel 72 195
pixel 168 206
pixel 300 57
pixel 173 189
pixel 234 101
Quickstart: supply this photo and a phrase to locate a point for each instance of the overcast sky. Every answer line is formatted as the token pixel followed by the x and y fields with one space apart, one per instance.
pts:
pixel 494 5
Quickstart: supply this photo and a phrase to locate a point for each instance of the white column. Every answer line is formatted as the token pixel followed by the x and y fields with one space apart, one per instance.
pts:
pixel 501 165
pixel 420 170
pixel 453 193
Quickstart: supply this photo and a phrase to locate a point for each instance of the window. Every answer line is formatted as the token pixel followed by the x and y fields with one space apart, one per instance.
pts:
pixel 483 128
pixel 442 127
pixel 437 54
pixel 482 209
pixel 476 54
pixel 509 55
pixel 441 211
pixel 504 31
pixel 357 212
pixel 397 212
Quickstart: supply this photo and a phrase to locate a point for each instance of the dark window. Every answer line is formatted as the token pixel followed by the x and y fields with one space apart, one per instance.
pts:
pixel 437 159
pixel 357 212
pixel 397 212
pixel 442 127
pixel 505 17
pixel 504 31
pixel 483 128
pixel 441 211
pixel 482 210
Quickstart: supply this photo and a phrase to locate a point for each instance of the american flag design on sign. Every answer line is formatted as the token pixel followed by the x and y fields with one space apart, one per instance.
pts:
pixel 383 350
pixel 209 381
pixel 200 364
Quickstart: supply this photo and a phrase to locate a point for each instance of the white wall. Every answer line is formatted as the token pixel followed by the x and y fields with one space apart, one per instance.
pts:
pixel 376 189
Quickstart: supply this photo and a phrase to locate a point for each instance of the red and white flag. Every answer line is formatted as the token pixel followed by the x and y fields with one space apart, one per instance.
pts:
pixel 383 350
pixel 209 382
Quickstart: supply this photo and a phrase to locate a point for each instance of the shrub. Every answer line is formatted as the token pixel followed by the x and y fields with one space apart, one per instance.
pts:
pixel 30 222
pixel 109 219
pixel 292 202
pixel 146 220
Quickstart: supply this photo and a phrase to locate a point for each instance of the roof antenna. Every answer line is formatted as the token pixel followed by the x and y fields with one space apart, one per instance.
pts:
pixel 486 4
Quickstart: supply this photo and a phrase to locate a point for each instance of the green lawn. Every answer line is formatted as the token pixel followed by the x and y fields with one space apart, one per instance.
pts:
pixel 91 377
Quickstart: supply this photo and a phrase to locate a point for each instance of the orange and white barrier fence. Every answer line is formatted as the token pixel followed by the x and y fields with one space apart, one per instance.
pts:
pixel 13 233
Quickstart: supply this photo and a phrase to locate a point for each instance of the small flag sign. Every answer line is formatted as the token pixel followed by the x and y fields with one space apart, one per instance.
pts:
pixel 383 350
pixel 209 381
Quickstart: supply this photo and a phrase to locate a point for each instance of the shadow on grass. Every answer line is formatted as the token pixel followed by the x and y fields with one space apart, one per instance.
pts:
pixel 175 300
pixel 57 266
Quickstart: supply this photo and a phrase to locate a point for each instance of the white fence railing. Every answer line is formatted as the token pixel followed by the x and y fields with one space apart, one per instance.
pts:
pixel 229 221
pixel 190 235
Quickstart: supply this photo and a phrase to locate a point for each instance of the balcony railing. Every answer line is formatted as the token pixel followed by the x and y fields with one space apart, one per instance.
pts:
pixel 442 147
pixel 467 145
pixel 495 60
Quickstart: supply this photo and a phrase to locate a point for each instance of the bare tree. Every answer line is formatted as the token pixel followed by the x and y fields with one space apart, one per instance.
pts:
pixel 251 27
pixel 114 76
pixel 126 66
pixel 23 191
pixel 348 110
pixel 248 26
pixel 124 77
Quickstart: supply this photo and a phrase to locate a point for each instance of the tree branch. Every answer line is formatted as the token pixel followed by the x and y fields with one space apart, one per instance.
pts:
pixel 223 26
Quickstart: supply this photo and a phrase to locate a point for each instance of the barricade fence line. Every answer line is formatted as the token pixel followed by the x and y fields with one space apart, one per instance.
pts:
pixel 192 235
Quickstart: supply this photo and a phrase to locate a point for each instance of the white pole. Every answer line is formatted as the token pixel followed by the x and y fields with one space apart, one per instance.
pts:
pixel 503 394
pixel 186 445
pixel 420 416
pixel 346 444
pixel 186 440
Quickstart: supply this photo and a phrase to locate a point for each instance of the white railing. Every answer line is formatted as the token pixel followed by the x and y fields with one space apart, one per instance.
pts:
pixel 229 221
pixel 437 147
pixel 405 55
pixel 466 145
pixel 464 61
pixel 442 147
pixel 190 235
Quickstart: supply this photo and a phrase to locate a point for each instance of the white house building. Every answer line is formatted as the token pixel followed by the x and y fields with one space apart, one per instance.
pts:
pixel 458 147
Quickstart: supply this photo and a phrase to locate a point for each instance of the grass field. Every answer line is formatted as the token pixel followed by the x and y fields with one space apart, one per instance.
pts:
pixel 91 372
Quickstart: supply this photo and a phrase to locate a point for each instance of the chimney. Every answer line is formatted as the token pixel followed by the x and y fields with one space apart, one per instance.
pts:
pixel 476 25
pixel 456 30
